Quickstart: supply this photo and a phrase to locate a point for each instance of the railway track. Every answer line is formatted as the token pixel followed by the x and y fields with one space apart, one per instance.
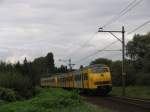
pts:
pixel 139 102
pixel 121 104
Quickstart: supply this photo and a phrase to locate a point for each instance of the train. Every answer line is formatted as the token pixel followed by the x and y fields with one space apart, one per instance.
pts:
pixel 95 78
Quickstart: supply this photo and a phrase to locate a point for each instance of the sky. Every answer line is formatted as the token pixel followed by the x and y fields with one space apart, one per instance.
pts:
pixel 67 28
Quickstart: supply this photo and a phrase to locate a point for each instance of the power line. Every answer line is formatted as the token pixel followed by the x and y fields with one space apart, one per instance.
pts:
pixel 85 58
pixel 114 18
pixel 142 25
pixel 89 39
pixel 109 45
pixel 130 4
pixel 84 62
pixel 103 49
pixel 83 45
pixel 128 8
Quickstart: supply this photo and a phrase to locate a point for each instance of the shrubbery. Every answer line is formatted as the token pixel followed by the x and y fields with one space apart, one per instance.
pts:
pixel 18 82
pixel 58 98
pixel 51 100
pixel 23 78
pixel 143 78
pixel 7 94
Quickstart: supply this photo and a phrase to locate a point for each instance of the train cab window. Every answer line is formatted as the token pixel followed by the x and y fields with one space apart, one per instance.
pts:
pixel 77 75
pixel 100 69
pixel 106 69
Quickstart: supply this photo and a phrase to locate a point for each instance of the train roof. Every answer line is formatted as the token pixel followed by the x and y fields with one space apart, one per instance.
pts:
pixel 96 65
pixel 78 70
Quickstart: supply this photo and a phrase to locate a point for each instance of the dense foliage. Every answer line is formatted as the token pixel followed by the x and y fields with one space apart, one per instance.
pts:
pixel 51 100
pixel 102 61
pixel 23 78
pixel 133 91
pixel 8 94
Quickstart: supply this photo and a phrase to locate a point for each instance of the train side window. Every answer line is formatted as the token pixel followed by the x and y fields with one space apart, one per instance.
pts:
pixel 85 76
pixel 77 77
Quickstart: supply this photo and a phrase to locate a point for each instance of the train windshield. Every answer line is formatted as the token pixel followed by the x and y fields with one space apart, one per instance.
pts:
pixel 100 69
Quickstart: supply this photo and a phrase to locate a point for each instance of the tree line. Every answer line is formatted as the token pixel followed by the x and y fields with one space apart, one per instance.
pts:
pixel 24 77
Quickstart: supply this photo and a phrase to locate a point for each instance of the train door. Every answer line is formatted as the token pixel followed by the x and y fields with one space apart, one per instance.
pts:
pixel 86 82
pixel 82 80
pixel 77 79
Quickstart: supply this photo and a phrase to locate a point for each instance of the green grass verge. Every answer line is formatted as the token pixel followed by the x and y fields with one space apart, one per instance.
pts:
pixel 133 91
pixel 51 100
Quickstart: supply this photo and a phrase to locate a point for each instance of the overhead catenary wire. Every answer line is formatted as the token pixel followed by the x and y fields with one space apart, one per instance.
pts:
pixel 142 25
pixel 124 11
pixel 96 52
pixel 86 42
pixel 110 21
pixel 83 45
pixel 101 55
pixel 128 8
pixel 130 4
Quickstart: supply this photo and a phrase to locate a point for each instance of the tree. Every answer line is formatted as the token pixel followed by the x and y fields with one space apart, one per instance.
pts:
pixel 138 50
pixel 116 72
pixel 50 63
pixel 63 69
pixel 101 61
pixel 23 78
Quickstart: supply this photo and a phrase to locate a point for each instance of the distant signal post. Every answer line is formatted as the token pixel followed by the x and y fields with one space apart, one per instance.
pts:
pixel 69 63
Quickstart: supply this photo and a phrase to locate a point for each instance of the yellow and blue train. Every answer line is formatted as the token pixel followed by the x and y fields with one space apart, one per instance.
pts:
pixel 92 78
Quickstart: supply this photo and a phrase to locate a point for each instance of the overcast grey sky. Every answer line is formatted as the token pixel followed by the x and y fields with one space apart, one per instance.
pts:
pixel 32 28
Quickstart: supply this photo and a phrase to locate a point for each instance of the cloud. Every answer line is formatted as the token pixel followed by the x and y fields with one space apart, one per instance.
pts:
pixel 34 28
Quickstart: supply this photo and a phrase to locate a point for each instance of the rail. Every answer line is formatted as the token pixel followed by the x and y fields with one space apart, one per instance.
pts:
pixel 139 102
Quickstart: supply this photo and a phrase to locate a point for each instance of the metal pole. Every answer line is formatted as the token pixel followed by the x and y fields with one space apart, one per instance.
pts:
pixel 70 64
pixel 123 62
pixel 123 75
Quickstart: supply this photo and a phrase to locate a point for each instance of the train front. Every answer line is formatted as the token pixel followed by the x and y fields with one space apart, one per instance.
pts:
pixel 101 79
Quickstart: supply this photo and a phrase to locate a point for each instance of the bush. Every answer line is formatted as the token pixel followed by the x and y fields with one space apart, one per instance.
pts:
pixel 51 100
pixel 143 79
pixel 57 98
pixel 18 82
pixel 37 90
pixel 60 102
pixel 7 94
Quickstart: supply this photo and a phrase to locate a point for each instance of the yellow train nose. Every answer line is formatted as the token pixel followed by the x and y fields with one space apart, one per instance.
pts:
pixel 101 77
pixel 98 76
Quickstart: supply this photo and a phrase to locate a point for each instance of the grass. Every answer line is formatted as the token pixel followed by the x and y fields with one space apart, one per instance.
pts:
pixel 133 91
pixel 51 100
